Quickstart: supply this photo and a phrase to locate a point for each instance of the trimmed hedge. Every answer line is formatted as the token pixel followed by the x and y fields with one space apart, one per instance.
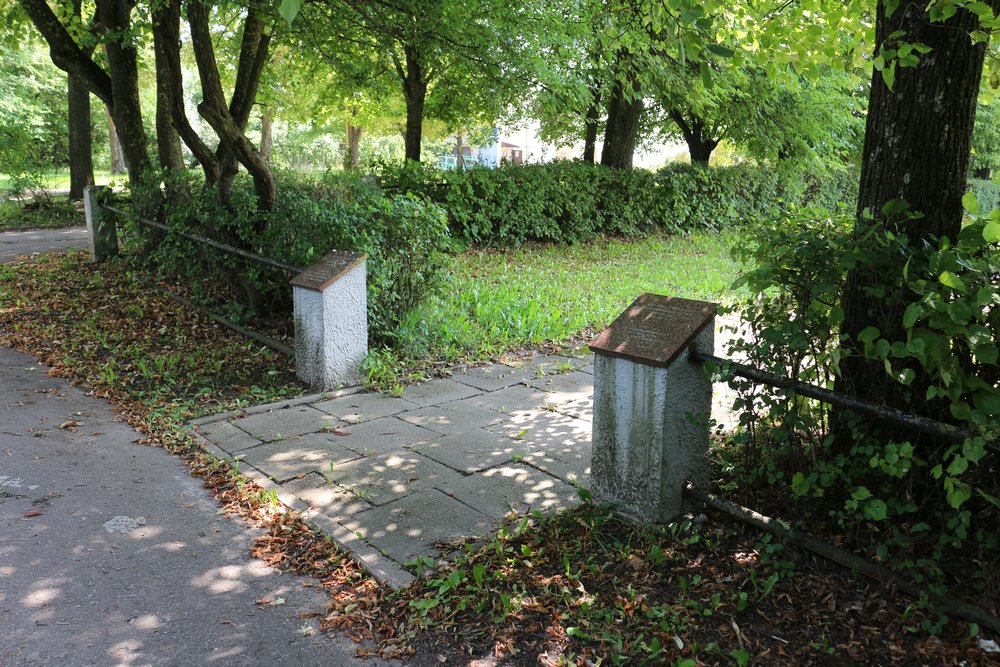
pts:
pixel 571 201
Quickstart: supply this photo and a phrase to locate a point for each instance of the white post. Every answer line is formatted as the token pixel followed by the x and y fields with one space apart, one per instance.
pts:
pixel 331 320
pixel 652 406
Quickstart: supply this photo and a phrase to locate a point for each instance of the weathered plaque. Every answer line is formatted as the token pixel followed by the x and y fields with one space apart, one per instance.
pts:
pixel 328 270
pixel 654 329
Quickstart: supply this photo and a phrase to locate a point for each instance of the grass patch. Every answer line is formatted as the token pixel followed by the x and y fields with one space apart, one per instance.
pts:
pixel 59 213
pixel 498 301
pixel 58 179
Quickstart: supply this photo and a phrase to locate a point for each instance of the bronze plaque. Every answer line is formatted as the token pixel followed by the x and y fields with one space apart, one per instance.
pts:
pixel 655 329
pixel 326 271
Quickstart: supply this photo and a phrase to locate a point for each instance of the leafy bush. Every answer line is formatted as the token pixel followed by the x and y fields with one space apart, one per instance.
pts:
pixel 924 505
pixel 570 201
pixel 987 193
pixel 405 239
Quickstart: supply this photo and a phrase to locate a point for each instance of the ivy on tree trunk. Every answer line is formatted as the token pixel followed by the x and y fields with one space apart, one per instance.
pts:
pixel 917 146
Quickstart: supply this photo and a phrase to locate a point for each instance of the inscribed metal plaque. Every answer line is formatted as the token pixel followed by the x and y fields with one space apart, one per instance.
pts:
pixel 326 271
pixel 655 329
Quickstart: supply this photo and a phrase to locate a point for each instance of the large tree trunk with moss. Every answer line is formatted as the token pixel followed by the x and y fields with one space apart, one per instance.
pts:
pixel 168 140
pixel 167 37
pixel 624 113
pixel 230 121
pixel 917 143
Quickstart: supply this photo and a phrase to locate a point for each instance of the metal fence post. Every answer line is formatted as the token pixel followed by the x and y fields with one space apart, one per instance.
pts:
pixel 101 227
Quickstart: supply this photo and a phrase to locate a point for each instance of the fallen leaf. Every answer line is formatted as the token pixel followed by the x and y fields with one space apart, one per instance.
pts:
pixel 32 513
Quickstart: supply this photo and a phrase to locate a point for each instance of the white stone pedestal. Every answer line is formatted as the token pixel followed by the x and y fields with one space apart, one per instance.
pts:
pixel 331 320
pixel 652 406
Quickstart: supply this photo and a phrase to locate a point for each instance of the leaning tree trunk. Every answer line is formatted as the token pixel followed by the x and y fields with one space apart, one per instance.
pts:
pixel 415 93
pixel 917 144
pixel 624 112
pixel 124 70
pixel 168 140
pixel 81 163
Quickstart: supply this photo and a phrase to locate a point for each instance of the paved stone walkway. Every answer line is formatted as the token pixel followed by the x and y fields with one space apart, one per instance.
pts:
pixel 392 479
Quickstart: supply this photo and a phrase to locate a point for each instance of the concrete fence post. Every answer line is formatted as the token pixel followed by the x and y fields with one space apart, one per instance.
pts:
pixel 652 406
pixel 331 320
pixel 101 227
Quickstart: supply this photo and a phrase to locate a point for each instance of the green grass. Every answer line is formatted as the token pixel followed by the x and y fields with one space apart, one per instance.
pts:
pixel 501 300
pixel 59 179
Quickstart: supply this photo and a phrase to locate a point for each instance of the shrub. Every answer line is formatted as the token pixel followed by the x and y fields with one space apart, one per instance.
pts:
pixel 987 193
pixel 924 505
pixel 572 201
pixel 405 239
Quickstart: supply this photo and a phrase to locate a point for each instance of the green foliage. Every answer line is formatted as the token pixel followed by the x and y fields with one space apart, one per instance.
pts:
pixel 987 193
pixel 568 202
pixel 405 239
pixel 934 500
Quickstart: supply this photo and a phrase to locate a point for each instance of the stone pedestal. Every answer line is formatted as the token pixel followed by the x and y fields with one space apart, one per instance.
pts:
pixel 652 406
pixel 331 320
pixel 101 228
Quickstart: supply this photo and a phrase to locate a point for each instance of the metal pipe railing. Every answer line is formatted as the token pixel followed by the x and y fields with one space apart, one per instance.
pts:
pixel 861 406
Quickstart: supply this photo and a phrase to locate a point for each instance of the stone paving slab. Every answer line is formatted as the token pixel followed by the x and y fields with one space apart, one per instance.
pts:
pixel 436 392
pixel 286 423
pixel 382 478
pixel 284 459
pixel 414 525
pixel 490 378
pixel 471 451
pixel 384 435
pixel 512 488
pixel 451 418
pixel 358 408
pixel 447 460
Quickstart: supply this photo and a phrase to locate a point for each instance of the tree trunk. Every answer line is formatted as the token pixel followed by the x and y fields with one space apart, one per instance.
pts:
pixel 459 152
pixel 415 92
pixel 700 144
pixel 624 112
pixel 168 140
pixel 353 146
pixel 229 122
pixel 167 33
pixel 81 163
pixel 917 144
pixel 117 165
pixel 591 123
pixel 127 112
pixel 266 135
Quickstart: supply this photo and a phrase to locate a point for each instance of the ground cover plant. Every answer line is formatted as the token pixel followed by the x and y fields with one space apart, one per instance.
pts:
pixel 54 214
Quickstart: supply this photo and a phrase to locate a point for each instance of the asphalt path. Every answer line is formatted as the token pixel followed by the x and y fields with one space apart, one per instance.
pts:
pixel 13 244
pixel 112 554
